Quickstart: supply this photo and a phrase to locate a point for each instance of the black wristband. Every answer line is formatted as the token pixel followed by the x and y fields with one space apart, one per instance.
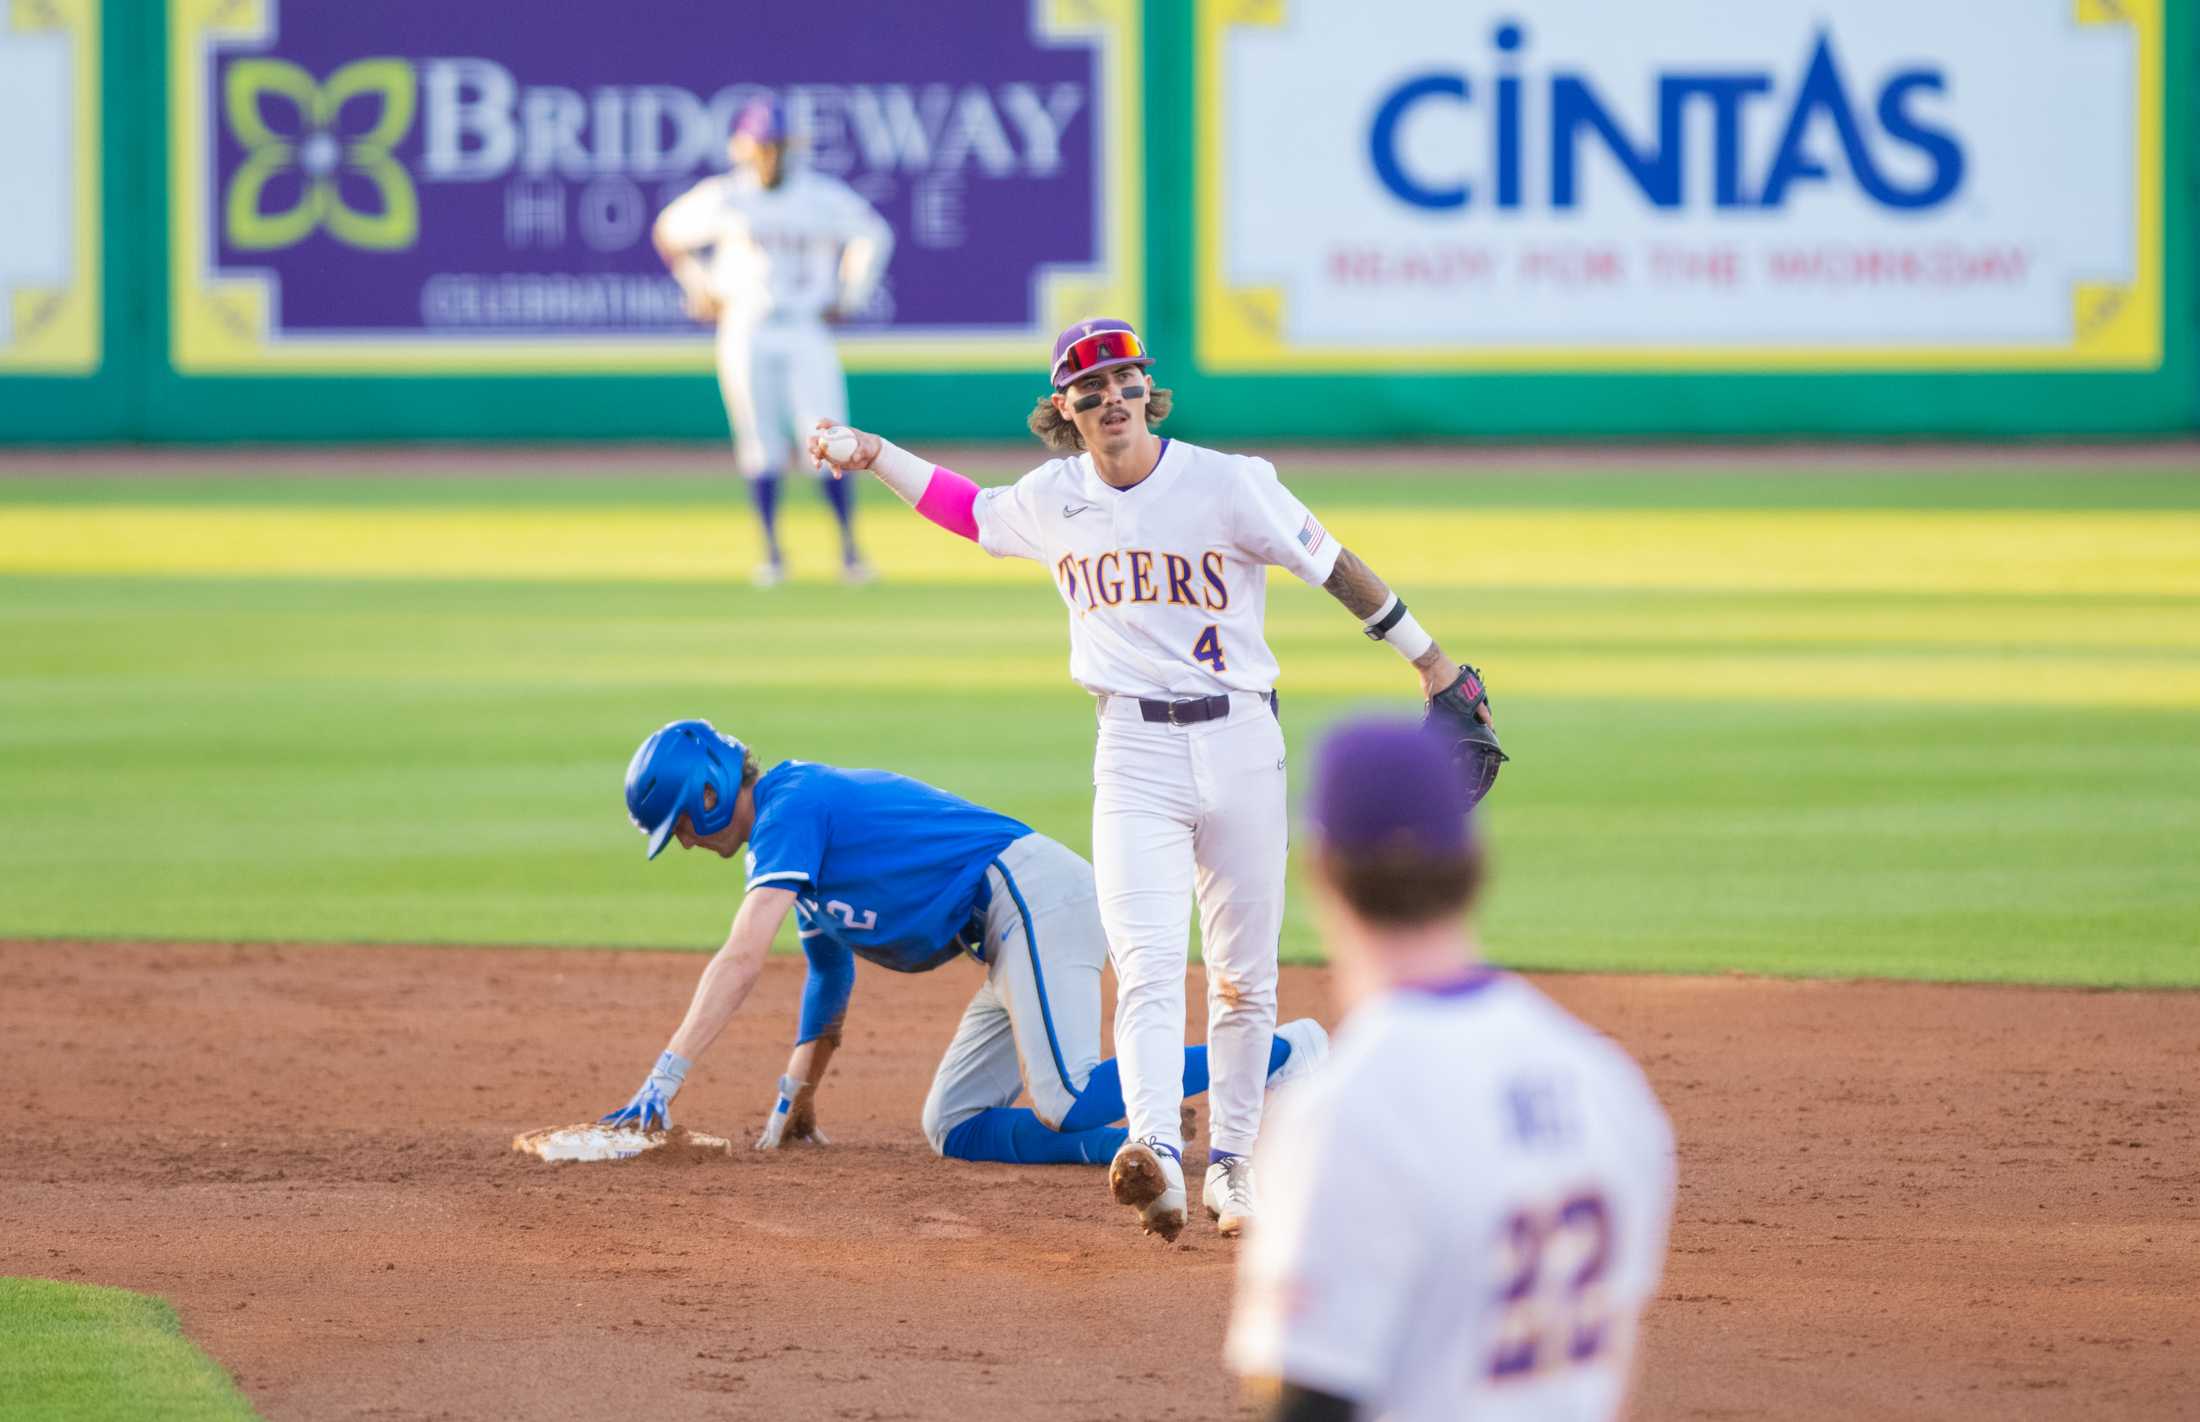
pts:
pixel 1376 631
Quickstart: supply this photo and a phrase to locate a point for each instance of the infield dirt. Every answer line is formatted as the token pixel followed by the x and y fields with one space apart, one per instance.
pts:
pixel 1896 1200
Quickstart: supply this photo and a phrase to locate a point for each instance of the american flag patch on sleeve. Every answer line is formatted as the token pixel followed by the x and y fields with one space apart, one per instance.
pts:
pixel 1311 535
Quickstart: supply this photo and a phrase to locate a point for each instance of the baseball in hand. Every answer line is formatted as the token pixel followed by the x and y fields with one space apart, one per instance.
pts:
pixel 839 444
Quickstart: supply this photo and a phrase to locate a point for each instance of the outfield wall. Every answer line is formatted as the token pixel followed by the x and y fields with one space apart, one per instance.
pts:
pixel 274 219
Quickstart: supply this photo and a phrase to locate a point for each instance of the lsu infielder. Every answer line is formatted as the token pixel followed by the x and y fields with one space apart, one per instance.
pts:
pixel 1160 550
pixel 884 868
pixel 1467 1207
pixel 791 249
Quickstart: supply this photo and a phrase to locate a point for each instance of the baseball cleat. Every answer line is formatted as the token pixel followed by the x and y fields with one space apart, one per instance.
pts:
pixel 856 573
pixel 769 574
pixel 1148 1175
pixel 1227 1193
pixel 1309 1046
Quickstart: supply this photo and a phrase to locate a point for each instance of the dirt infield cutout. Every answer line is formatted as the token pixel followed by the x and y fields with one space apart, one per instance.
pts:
pixel 1896 1200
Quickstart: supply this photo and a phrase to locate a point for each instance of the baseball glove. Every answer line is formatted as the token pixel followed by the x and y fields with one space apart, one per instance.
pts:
pixel 1454 715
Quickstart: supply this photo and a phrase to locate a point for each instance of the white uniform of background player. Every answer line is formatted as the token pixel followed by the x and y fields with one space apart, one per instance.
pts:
pixel 1467 1206
pixel 789 249
pixel 1160 550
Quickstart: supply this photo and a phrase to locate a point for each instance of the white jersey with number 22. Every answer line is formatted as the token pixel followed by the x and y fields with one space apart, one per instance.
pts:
pixel 1465 1212
pixel 1166 581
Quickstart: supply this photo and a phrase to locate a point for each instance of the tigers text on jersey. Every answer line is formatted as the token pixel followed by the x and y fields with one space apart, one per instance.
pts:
pixel 1166 581
pixel 1464 1213
pixel 777 251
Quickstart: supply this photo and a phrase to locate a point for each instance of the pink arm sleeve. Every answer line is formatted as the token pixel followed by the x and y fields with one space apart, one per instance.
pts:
pixel 949 501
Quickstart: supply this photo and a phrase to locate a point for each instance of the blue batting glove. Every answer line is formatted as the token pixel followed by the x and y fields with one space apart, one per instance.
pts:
pixel 650 1108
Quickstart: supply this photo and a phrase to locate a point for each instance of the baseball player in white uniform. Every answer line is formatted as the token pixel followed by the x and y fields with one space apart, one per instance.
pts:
pixel 1467 1207
pixel 790 250
pixel 1160 550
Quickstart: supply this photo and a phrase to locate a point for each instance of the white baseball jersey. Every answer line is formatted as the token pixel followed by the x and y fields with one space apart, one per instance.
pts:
pixel 779 251
pixel 1166 582
pixel 1464 1213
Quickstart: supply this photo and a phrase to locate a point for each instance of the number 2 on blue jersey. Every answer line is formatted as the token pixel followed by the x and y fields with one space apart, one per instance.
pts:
pixel 1208 649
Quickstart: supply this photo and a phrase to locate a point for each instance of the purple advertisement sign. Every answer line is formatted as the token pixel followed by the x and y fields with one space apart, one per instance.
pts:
pixel 414 182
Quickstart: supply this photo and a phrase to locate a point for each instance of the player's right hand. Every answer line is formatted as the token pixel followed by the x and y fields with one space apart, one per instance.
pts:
pixel 650 1108
pixel 866 450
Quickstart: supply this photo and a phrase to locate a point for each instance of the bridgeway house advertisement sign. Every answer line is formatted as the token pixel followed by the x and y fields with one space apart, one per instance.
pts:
pixel 415 185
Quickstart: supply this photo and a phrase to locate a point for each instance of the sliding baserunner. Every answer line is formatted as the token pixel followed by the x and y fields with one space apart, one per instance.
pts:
pixel 881 867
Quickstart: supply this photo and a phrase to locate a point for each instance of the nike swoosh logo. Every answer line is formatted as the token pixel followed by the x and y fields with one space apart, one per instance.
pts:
pixel 1068 512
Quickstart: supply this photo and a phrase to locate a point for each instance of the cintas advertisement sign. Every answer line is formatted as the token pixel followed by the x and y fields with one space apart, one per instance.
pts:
pixel 1845 184
pixel 414 185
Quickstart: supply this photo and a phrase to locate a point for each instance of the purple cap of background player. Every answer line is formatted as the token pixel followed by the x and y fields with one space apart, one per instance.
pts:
pixel 762 121
pixel 1383 783
pixel 1096 343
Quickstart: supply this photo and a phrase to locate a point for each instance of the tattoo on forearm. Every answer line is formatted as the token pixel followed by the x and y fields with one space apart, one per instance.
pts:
pixel 1354 584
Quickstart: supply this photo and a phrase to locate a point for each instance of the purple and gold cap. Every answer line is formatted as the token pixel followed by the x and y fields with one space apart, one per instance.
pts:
pixel 1383 783
pixel 1096 343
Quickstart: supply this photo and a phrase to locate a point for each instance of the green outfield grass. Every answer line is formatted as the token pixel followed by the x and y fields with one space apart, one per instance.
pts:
pixel 80 1353
pixel 1930 481
pixel 1930 724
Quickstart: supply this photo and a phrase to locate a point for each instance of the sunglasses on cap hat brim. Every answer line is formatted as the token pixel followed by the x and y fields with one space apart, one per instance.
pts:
pixel 1099 351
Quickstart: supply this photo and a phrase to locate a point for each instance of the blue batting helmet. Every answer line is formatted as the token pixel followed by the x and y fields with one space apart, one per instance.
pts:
pixel 665 780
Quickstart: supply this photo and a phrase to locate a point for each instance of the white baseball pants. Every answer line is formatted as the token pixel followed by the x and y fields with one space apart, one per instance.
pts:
pixel 1180 811
pixel 779 378
pixel 1034 1023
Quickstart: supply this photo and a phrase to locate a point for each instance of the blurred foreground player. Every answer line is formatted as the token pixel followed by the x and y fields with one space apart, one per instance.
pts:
pixel 1467 1207
pixel 878 866
pixel 791 250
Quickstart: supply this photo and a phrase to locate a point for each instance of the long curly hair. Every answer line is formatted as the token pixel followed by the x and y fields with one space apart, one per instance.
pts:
pixel 1058 431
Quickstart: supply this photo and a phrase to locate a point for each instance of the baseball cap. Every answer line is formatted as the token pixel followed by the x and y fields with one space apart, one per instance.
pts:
pixel 762 121
pixel 1384 783
pixel 1095 343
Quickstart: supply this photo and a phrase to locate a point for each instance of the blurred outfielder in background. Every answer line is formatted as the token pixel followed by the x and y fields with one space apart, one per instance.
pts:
pixel 789 251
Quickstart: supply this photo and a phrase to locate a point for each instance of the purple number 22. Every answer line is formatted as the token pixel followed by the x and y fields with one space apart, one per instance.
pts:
pixel 1537 1331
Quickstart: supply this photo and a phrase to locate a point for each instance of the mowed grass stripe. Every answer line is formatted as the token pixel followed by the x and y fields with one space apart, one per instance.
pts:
pixel 400 761
pixel 2154 553
pixel 1482 478
pixel 1585 620
pixel 1613 645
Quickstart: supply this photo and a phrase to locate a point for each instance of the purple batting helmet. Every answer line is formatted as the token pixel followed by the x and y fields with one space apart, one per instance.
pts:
pixel 1096 343
pixel 762 121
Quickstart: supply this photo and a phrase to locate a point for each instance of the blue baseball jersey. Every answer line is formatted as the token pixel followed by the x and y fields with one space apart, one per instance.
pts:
pixel 882 866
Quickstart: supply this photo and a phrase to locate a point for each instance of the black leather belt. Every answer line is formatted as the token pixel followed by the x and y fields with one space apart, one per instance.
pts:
pixel 1199 708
